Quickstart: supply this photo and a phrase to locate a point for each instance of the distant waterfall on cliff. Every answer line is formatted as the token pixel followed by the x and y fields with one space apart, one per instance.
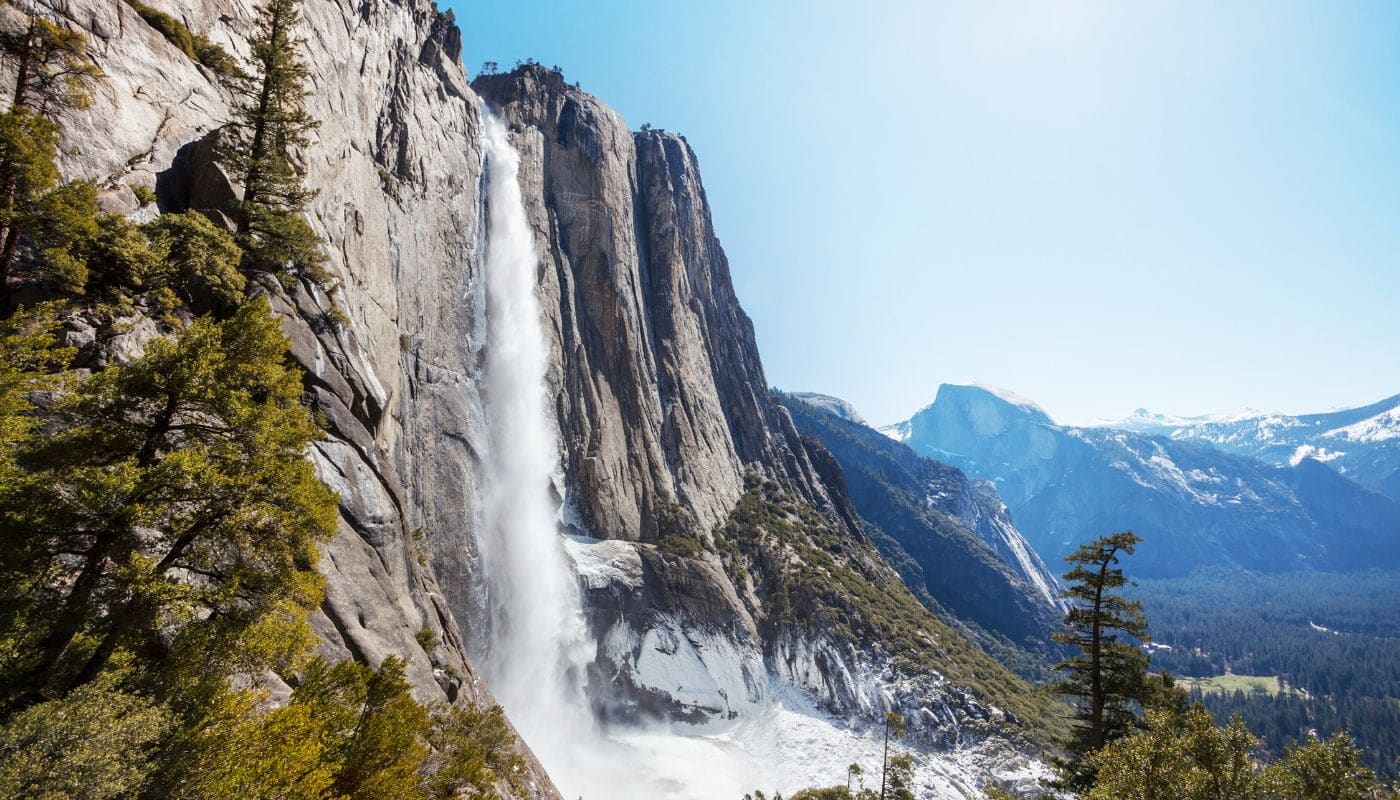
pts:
pixel 538 642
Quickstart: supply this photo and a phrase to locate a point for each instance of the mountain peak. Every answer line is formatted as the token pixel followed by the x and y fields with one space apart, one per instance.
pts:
pixel 1003 403
pixel 834 406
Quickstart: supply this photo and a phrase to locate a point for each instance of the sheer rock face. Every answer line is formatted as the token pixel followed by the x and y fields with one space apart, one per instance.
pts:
pixel 660 389
pixel 661 398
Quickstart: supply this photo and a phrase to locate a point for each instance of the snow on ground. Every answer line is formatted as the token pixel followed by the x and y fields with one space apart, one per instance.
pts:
pixel 789 745
pixel 603 562
pixel 1380 428
pixel 1011 397
pixel 898 431
pixel 1315 453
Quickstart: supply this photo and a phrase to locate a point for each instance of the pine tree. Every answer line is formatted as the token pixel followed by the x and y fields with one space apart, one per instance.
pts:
pixel 173 495
pixel 1106 678
pixel 271 123
pixel 52 76
pixel 97 742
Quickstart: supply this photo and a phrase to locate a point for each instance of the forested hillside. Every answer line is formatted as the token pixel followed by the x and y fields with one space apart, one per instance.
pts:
pixel 1334 641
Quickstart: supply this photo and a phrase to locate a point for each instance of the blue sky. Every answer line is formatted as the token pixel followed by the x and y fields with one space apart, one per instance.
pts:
pixel 1188 206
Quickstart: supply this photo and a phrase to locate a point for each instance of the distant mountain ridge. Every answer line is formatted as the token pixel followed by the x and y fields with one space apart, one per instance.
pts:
pixel 1361 443
pixel 947 534
pixel 1193 501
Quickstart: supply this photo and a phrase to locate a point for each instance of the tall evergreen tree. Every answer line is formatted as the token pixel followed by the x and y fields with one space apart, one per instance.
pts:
pixel 271 123
pixel 1106 678
pixel 52 75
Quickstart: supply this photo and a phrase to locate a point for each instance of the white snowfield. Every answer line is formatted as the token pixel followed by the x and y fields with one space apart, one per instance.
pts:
pixel 1380 428
pixel 767 725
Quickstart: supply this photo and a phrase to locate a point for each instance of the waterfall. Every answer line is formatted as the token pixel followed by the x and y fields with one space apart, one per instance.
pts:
pixel 538 644
pixel 537 647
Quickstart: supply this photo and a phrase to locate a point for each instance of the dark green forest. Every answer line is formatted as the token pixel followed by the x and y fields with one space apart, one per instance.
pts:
pixel 1245 623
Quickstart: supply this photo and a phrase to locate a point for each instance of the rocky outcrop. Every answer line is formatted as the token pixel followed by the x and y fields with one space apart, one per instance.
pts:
pixel 661 393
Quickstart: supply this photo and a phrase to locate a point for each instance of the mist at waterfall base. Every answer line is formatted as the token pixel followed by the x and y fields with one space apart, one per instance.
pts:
pixel 538 647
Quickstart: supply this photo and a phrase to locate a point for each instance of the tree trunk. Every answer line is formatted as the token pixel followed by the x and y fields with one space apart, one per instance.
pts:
pixel 136 606
pixel 1096 699
pixel 75 609
pixel 259 143
pixel 885 759
pixel 70 618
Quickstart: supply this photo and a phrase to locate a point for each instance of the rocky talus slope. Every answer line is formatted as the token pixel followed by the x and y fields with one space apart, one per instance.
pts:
pixel 663 409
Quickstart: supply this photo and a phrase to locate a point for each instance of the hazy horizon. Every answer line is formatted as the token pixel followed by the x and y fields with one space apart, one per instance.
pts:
pixel 1186 207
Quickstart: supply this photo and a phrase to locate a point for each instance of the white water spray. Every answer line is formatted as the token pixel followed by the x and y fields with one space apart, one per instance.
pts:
pixel 539 644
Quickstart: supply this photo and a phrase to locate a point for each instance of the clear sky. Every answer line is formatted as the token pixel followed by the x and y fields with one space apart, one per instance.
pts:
pixel 1188 206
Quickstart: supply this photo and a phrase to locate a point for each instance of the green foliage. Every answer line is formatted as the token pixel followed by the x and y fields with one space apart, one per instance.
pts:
pixel 1322 768
pixel 199 263
pixel 1106 679
pixel 57 220
pixel 831 793
pixel 145 195
pixel 188 461
pixel 901 777
pixel 198 48
pixel 1178 757
pixel 29 352
pixel 52 70
pixel 279 240
pixel 379 746
pixel 1220 617
pixel 473 751
pixel 272 122
pixel 1187 756
pixel 674 531
pixel 809 572
pixel 236 750
pixel 117 255
pixel 52 75
pixel 95 743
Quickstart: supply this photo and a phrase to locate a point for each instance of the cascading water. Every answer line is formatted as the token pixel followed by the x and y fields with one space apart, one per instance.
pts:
pixel 538 645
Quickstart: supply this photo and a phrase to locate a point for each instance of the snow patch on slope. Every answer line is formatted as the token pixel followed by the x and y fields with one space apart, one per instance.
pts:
pixel 1380 428
pixel 1011 397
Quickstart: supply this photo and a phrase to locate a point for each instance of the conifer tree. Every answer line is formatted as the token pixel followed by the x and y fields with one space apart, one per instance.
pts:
pixel 52 76
pixel 173 490
pixel 271 123
pixel 1106 679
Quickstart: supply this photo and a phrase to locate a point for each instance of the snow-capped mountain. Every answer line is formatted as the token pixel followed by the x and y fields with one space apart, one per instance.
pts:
pixel 1194 502
pixel 1361 443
